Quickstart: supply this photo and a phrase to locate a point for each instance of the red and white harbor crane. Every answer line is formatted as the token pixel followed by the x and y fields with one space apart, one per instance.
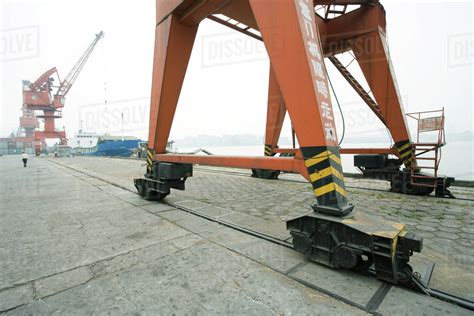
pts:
pixel 43 95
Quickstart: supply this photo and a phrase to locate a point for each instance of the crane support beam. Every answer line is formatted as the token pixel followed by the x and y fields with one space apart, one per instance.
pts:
pixel 284 164
pixel 350 25
pixel 350 151
pixel 246 31
pixel 201 10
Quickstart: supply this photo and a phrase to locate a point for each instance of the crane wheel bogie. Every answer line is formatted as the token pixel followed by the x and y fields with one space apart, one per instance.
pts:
pixel 265 174
pixel 401 181
pixel 352 243
pixel 161 178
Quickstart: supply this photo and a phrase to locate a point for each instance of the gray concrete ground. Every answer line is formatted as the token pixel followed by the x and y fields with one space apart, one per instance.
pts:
pixel 71 244
pixel 94 248
pixel 445 224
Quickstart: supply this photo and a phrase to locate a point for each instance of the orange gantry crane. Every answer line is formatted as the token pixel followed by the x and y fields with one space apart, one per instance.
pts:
pixel 297 39
pixel 43 95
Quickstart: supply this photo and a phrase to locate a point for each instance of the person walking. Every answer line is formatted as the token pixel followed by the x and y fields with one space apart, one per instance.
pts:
pixel 24 157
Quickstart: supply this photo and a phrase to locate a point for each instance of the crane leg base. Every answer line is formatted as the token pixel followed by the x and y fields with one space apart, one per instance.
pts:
pixel 151 189
pixel 401 183
pixel 383 168
pixel 265 174
pixel 163 177
pixel 357 241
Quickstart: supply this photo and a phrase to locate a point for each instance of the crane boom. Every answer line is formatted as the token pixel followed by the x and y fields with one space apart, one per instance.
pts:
pixel 44 77
pixel 67 83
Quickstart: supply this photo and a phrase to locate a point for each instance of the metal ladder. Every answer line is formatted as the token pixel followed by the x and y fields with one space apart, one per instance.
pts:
pixel 357 87
pixel 429 152
pixel 419 153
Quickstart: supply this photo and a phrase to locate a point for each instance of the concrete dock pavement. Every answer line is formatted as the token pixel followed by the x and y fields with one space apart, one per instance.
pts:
pixel 75 239
pixel 445 224
pixel 70 246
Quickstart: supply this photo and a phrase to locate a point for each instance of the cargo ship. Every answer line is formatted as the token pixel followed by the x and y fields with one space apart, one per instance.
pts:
pixel 91 144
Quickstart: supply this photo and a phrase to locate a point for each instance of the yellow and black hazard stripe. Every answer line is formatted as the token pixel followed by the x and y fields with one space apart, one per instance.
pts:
pixel 149 159
pixel 326 175
pixel 268 151
pixel 405 152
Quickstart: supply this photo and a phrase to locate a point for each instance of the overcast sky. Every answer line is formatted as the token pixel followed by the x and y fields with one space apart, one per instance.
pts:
pixel 225 91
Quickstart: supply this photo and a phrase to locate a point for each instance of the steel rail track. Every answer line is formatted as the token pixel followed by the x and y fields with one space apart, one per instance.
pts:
pixel 373 303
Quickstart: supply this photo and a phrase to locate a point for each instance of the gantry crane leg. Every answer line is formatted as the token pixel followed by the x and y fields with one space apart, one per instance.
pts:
pixel 275 115
pixel 372 54
pixel 173 46
pixel 370 48
pixel 300 74
pixel 276 112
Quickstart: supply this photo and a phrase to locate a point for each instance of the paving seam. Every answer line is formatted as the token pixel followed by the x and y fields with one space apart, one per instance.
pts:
pixel 378 297
pixel 329 293
pixel 297 267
